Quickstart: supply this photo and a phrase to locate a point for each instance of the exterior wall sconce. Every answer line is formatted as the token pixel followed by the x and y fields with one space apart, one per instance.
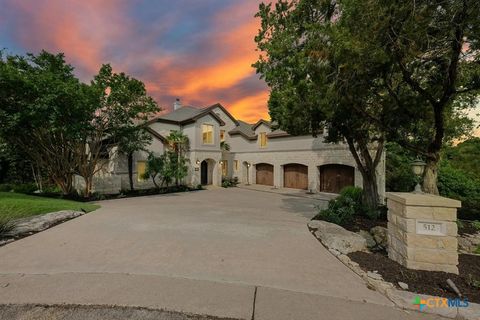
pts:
pixel 197 162
pixel 418 167
pixel 221 162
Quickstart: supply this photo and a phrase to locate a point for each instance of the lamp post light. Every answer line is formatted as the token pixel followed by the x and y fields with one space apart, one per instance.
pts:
pixel 418 167
pixel 248 173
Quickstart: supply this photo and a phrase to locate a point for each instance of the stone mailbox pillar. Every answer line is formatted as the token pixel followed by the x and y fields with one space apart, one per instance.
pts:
pixel 422 231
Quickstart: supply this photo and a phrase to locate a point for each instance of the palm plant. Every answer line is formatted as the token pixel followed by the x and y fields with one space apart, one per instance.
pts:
pixel 224 146
pixel 179 145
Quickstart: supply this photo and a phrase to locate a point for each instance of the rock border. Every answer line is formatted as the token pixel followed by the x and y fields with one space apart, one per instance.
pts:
pixel 401 299
pixel 25 227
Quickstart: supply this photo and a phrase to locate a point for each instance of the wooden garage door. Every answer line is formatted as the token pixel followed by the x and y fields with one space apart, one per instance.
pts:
pixel 334 177
pixel 264 174
pixel 295 176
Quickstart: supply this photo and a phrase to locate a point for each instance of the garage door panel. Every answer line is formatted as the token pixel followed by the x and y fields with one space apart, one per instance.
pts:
pixel 335 177
pixel 295 176
pixel 264 174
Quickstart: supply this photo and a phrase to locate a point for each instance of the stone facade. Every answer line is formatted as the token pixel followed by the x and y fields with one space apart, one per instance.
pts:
pixel 245 153
pixel 422 231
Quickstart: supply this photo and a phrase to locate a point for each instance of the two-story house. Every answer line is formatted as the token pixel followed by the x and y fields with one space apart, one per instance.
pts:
pixel 257 155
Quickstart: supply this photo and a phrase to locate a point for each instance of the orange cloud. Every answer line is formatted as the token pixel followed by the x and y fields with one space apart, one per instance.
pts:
pixel 80 29
pixel 217 68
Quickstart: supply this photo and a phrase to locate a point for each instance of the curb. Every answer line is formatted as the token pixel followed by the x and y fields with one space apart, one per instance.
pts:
pixel 403 299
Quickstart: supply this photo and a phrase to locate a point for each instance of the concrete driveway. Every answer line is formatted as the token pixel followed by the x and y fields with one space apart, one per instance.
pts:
pixel 226 252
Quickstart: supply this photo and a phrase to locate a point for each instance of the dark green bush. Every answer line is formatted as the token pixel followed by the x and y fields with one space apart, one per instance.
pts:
pixel 25 188
pixel 347 205
pixel 229 182
pixel 340 211
pixel 19 188
pixel 5 187
pixel 456 184
pixel 398 171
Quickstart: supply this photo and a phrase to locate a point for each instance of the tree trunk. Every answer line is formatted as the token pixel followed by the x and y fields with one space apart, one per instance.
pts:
pixel 88 186
pixel 430 175
pixel 154 182
pixel 370 188
pixel 65 183
pixel 130 169
pixel 367 168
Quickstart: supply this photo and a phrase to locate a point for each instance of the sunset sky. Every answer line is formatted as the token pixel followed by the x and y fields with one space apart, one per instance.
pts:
pixel 199 51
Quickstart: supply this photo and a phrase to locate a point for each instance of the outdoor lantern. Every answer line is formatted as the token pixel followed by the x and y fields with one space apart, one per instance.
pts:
pixel 418 166
pixel 197 162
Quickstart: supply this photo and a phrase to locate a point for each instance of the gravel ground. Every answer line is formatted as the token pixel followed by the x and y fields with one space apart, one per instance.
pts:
pixel 75 312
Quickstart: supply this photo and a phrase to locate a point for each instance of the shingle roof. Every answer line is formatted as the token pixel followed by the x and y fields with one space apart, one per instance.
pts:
pixel 186 114
pixel 181 114
pixel 245 129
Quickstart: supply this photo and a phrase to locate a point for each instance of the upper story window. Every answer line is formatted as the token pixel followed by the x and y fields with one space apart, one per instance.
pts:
pixel 222 135
pixel 262 137
pixel 207 133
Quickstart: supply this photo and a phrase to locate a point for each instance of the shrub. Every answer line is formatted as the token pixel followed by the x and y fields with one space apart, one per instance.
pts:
pixel 5 187
pixel 456 184
pixel 25 188
pixel 349 203
pixel 476 225
pixel 229 182
pixel 340 211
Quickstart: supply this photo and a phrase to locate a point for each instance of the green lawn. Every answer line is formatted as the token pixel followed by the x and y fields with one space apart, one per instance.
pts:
pixel 16 205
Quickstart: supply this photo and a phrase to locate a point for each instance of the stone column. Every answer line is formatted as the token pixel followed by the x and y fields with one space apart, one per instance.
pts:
pixel 422 231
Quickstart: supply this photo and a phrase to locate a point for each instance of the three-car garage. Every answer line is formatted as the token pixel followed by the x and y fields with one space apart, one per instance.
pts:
pixel 329 177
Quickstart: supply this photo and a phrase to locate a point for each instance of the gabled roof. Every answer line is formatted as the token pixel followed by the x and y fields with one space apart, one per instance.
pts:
pixel 218 105
pixel 156 135
pixel 261 121
pixel 244 129
pixel 187 114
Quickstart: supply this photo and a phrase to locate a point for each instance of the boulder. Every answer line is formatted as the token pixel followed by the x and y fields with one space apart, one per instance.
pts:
pixel 403 285
pixel 380 235
pixel 368 237
pixel 41 222
pixel 314 224
pixel 374 275
pixel 337 238
pixel 464 244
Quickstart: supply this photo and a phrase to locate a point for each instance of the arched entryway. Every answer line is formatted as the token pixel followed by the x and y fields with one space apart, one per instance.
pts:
pixel 295 176
pixel 335 177
pixel 206 171
pixel 264 175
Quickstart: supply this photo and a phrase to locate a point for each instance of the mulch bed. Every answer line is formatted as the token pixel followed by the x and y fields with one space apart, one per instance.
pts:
pixel 426 282
pixel 363 223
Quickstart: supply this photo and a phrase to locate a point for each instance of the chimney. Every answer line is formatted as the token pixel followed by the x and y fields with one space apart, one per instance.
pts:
pixel 177 104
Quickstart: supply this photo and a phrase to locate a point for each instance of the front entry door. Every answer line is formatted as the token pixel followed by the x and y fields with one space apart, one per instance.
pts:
pixel 204 172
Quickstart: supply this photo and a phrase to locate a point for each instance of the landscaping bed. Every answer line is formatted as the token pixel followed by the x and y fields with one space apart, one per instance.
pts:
pixel 363 223
pixel 426 282
pixel 123 194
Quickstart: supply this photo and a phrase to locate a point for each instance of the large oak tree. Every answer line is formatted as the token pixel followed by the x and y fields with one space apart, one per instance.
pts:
pixel 371 71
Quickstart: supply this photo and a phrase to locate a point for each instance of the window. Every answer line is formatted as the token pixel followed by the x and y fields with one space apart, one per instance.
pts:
pixel 224 168
pixel 235 165
pixel 222 135
pixel 141 168
pixel 263 139
pixel 207 133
